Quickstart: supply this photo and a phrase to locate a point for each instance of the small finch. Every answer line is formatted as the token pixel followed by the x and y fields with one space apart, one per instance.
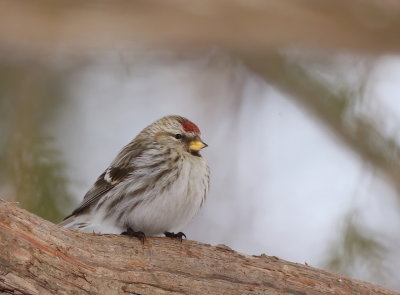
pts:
pixel 154 186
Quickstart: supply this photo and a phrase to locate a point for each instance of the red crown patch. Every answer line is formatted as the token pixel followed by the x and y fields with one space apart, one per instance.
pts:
pixel 190 127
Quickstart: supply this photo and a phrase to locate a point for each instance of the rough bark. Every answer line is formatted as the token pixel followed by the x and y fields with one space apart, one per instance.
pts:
pixel 38 257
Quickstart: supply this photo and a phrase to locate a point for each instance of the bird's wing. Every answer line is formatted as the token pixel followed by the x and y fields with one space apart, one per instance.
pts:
pixel 105 182
pixel 119 169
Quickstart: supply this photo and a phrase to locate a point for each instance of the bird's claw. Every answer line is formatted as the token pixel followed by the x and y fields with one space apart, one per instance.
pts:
pixel 131 233
pixel 179 236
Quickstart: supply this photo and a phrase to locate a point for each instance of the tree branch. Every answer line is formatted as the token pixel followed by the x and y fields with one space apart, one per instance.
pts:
pixel 38 257
pixel 370 27
pixel 329 108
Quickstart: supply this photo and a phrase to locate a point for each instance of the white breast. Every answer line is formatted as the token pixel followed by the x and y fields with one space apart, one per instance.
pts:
pixel 155 210
pixel 173 208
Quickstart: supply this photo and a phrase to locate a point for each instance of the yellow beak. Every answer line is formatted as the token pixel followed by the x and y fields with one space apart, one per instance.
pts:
pixel 197 145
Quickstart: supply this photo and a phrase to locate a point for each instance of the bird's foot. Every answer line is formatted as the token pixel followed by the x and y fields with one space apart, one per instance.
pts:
pixel 179 236
pixel 131 233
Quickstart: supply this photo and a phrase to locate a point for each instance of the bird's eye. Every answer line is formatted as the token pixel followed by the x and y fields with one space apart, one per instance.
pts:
pixel 178 136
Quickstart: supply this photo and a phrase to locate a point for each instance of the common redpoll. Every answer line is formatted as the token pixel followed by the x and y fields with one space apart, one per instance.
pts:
pixel 155 185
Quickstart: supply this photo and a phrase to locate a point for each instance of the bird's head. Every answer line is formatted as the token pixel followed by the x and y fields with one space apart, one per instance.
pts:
pixel 179 133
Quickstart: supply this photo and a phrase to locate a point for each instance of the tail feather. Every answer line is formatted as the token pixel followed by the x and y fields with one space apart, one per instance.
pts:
pixel 74 223
pixel 88 224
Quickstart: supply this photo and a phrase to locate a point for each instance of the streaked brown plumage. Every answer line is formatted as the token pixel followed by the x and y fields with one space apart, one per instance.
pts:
pixel 155 185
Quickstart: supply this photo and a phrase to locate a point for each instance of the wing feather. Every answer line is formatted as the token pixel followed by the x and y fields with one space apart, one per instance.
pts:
pixel 105 182
pixel 116 173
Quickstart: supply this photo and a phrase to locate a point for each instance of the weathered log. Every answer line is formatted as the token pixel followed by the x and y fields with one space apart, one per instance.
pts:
pixel 38 257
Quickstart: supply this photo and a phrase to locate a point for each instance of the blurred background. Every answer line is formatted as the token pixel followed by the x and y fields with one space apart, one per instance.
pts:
pixel 298 101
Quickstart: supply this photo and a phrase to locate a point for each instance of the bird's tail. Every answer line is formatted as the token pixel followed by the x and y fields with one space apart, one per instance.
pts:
pixel 74 222
pixel 88 224
pixel 67 221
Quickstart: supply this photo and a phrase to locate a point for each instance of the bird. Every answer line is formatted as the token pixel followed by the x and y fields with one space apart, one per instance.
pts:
pixel 154 186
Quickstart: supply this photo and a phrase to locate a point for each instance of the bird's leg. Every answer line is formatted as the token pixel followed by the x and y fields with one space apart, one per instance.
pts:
pixel 178 236
pixel 131 233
